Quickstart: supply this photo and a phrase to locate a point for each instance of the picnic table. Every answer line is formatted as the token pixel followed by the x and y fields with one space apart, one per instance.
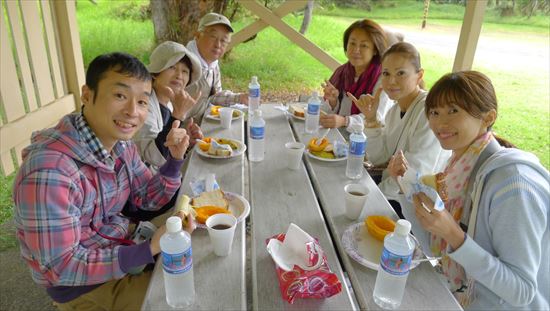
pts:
pixel 311 197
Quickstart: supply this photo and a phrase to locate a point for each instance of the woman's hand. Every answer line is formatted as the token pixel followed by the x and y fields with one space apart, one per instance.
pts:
pixel 440 223
pixel 183 102
pixel 398 165
pixel 194 132
pixel 367 104
pixel 330 93
pixel 332 120
pixel 177 141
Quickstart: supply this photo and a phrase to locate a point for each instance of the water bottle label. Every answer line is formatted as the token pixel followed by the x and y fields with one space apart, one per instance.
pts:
pixel 357 148
pixel 177 263
pixel 395 264
pixel 257 132
pixel 313 109
pixel 253 93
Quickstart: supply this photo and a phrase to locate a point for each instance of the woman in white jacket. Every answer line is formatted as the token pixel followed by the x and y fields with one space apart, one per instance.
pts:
pixel 173 67
pixel 493 234
pixel 405 129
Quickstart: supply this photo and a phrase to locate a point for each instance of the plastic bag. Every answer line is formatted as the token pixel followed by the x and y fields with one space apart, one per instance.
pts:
pixel 299 283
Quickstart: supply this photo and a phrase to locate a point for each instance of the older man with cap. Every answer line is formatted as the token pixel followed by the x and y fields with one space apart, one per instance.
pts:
pixel 173 68
pixel 211 40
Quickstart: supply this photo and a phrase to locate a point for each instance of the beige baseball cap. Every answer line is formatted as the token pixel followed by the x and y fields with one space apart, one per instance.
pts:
pixel 169 53
pixel 214 19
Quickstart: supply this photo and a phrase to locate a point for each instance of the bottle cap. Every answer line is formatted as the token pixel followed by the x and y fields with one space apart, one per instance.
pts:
pixel 173 224
pixel 403 227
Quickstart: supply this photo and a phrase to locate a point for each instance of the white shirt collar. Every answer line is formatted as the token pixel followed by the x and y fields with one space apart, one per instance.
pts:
pixel 192 46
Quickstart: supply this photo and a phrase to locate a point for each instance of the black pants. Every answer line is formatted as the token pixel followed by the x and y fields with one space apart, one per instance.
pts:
pixel 394 204
pixel 137 215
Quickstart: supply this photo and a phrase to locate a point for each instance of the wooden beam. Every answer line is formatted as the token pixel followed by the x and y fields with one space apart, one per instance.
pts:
pixel 259 25
pixel 469 35
pixel 69 41
pixel 14 133
pixel 291 34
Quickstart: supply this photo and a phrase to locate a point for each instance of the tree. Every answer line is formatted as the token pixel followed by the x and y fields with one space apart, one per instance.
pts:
pixel 177 20
pixel 308 12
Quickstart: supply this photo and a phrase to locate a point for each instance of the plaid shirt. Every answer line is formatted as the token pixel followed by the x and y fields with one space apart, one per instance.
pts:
pixel 67 183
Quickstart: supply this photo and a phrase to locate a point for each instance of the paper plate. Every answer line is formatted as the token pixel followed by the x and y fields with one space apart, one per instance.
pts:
pixel 324 159
pixel 241 148
pixel 366 250
pixel 238 206
pixel 212 117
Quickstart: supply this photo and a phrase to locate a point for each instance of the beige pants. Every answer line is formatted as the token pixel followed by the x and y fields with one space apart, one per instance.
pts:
pixel 123 294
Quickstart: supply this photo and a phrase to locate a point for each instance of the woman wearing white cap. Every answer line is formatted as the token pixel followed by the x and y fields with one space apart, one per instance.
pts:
pixel 173 67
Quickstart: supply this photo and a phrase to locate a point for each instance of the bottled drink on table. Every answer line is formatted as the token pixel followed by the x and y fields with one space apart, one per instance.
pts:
pixel 356 154
pixel 177 264
pixel 253 95
pixel 394 266
pixel 256 137
pixel 312 113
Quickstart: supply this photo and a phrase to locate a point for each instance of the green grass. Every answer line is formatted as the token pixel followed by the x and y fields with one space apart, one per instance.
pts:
pixel 283 67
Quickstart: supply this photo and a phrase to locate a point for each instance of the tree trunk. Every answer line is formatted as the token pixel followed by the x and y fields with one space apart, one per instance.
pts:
pixel 425 17
pixel 177 20
pixel 308 12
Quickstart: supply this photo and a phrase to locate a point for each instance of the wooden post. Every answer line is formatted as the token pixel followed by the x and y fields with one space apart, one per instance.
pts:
pixel 469 35
pixel 69 41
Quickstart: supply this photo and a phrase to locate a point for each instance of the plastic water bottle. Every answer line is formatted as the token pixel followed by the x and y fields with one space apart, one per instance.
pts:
pixel 312 113
pixel 256 137
pixel 177 264
pixel 356 154
pixel 253 95
pixel 394 268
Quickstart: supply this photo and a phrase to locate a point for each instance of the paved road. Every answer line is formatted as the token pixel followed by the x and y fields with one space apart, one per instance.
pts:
pixel 514 51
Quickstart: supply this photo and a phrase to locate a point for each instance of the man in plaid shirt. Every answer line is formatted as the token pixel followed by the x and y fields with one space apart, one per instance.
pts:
pixel 74 182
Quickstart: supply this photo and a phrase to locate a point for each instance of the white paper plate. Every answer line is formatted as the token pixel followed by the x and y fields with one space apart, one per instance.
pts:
pixel 238 206
pixel 239 151
pixel 365 249
pixel 301 104
pixel 324 159
pixel 211 117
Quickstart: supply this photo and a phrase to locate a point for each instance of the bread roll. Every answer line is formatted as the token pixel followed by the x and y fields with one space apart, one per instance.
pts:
pixel 437 182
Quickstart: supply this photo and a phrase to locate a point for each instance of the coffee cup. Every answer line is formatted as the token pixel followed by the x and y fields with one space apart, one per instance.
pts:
pixel 294 151
pixel 221 229
pixel 355 198
pixel 226 115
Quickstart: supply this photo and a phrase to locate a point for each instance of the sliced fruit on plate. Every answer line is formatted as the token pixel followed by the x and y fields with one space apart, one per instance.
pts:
pixel 206 211
pixel 215 110
pixel 379 226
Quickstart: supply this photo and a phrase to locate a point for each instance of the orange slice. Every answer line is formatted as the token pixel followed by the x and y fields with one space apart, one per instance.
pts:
pixel 379 226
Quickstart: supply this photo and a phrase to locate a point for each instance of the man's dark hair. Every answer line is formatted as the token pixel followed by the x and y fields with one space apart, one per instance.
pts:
pixel 122 63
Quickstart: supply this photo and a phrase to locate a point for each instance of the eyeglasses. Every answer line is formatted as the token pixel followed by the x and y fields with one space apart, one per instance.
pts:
pixel 223 41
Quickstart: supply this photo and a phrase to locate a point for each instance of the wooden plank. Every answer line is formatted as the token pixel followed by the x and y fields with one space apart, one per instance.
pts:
pixel 424 291
pixel 9 85
pixel 220 282
pixel 291 34
pixel 53 48
pixel 22 56
pixel 469 35
pixel 37 50
pixel 280 196
pixel 18 149
pixel 69 41
pixel 7 162
pixel 15 132
pixel 252 29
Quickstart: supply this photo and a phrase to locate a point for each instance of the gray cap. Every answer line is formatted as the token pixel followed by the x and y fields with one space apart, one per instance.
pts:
pixel 214 19
pixel 169 53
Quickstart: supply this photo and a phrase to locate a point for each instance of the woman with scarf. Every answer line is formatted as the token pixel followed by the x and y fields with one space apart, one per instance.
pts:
pixel 493 234
pixel 364 43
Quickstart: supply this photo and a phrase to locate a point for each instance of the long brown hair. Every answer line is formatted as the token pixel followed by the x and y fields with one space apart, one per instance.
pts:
pixel 410 52
pixel 373 30
pixel 470 90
